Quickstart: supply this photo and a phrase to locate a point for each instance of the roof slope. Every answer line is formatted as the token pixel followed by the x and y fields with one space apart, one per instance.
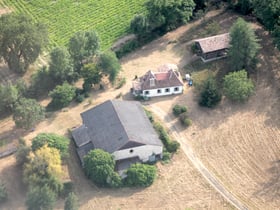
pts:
pixel 162 79
pixel 213 43
pixel 116 124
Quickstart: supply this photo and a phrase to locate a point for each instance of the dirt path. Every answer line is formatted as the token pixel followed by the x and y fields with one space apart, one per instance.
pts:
pixel 186 147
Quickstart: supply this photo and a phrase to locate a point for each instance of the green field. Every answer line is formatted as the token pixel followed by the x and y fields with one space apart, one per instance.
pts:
pixel 110 18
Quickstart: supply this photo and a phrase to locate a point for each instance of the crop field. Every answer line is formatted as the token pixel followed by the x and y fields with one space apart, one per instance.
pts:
pixel 110 18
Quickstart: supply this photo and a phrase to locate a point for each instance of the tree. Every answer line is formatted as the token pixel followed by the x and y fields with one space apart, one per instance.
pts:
pixel 237 86
pixel 52 140
pixel 9 96
pixel 141 175
pixel 61 67
pixel 22 152
pixel 91 74
pixel 82 46
pixel 71 202
pixel 21 40
pixel 27 113
pixel 167 15
pixel 42 198
pixel 62 96
pixel 243 45
pixel 108 63
pixel 210 95
pixel 268 11
pixel 99 167
pixel 139 24
pixel 178 109
pixel 44 167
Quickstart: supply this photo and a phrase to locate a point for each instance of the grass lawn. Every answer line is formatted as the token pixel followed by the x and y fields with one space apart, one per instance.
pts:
pixel 110 18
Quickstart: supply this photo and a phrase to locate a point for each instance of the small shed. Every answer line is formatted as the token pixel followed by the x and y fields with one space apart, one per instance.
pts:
pixel 213 48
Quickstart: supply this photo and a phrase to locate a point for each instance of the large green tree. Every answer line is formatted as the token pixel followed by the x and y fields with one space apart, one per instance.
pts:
pixel 243 45
pixel 21 40
pixel 237 86
pixel 27 113
pixel 61 66
pixel 99 167
pixel 82 46
pixel 109 64
pixel 62 96
pixel 91 74
pixel 167 15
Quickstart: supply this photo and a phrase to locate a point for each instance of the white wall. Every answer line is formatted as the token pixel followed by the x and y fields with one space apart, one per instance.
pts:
pixel 143 152
pixel 154 92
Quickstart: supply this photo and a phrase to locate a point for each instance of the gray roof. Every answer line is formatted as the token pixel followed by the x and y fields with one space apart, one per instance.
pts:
pixel 115 125
pixel 214 43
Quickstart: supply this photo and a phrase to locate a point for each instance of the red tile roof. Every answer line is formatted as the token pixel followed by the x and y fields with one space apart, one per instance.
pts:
pixel 167 76
pixel 213 43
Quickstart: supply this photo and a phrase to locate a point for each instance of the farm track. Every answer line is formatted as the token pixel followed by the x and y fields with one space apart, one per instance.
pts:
pixel 210 177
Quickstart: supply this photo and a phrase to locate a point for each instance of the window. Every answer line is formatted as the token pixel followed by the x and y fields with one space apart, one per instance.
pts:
pixel 167 90
pixel 131 151
pixel 176 89
pixel 159 91
pixel 147 92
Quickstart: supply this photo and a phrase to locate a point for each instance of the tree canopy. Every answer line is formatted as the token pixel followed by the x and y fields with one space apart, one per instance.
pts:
pixel 237 86
pixel 167 15
pixel 141 175
pixel 61 66
pixel 27 113
pixel 21 40
pixel 52 140
pixel 108 63
pixel 243 45
pixel 71 202
pixel 62 96
pixel 83 45
pixel 91 74
pixel 99 167
pixel 9 95
pixel 210 95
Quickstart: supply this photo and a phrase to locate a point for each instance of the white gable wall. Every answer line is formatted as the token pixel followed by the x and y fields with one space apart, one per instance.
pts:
pixel 163 91
pixel 143 152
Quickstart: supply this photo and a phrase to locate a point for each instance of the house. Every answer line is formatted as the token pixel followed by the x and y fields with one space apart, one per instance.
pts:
pixel 166 81
pixel 212 48
pixel 120 128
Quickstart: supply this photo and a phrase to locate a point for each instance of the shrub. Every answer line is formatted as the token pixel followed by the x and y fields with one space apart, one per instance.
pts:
pixel 80 98
pixel 99 167
pixel 22 154
pixel 3 193
pixel 121 83
pixel 166 156
pixel 141 175
pixel 164 137
pixel 71 202
pixel 68 187
pixel 52 140
pixel 184 119
pixel 127 48
pixel 149 115
pixel 178 109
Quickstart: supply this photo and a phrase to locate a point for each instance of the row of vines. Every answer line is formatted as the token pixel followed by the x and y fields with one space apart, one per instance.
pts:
pixel 110 18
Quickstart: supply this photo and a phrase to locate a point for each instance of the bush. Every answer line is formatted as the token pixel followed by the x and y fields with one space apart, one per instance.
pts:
pixel 52 140
pixel 184 119
pixel 68 187
pixel 22 154
pixel 121 83
pixel 178 109
pixel 164 137
pixel 3 193
pixel 140 175
pixel 127 48
pixel 80 98
pixel 99 167
pixel 149 115
pixel 71 202
pixel 166 156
